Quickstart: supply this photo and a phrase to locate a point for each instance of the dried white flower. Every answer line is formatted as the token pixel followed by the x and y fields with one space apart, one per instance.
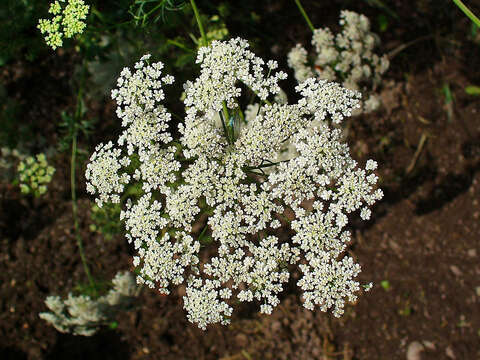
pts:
pixel 82 315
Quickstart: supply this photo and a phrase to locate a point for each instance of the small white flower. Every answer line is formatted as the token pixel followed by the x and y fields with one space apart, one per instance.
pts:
pixel 368 286
pixel 371 165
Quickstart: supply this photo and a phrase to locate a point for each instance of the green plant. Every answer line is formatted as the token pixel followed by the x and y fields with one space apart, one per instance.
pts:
pixel 34 174
pixel 105 220
pixel 17 41
pixel 467 12
pixel 385 285
pixel 66 22
pixel 473 90
pixel 145 12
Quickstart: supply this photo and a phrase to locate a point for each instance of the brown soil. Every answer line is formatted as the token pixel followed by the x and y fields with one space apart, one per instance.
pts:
pixel 421 248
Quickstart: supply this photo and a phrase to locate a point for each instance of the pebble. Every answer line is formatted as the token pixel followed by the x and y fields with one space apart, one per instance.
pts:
pixel 414 351
pixel 395 247
pixel 429 345
pixel 449 353
pixel 455 270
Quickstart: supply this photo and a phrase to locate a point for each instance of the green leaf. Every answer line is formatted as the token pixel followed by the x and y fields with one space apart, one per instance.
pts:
pixel 382 23
pixel 473 90
pixel 113 325
pixel 448 93
pixel 473 29
pixel 385 284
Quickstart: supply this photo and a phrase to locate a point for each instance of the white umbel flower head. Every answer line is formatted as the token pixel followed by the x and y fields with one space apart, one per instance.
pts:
pixel 346 57
pixel 233 173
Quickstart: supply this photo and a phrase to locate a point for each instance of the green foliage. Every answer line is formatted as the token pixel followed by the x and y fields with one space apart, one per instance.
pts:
pixel 473 90
pixel 385 285
pixel 145 12
pixel 105 220
pixel 70 127
pixel 406 310
pixel 467 12
pixel 93 290
pixel 379 4
pixel 12 132
pixel 18 37
pixel 383 23
pixel 449 100
pixel 113 325
pixel 217 30
pixel 34 174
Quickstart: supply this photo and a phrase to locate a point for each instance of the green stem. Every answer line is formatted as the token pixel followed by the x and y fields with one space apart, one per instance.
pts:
pixel 240 113
pixel 304 14
pixel 200 237
pixel 146 16
pixel 75 210
pixel 265 165
pixel 467 12
pixel 284 218
pixel 179 45
pixel 227 127
pixel 199 22
pixel 98 14
pixel 224 127
pixel 74 130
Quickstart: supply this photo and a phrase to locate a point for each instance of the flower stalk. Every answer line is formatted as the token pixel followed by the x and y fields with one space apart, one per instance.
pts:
pixel 204 41
pixel 304 14
pixel 467 12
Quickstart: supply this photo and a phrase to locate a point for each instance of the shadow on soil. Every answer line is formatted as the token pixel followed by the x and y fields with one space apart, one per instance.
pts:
pixel 105 346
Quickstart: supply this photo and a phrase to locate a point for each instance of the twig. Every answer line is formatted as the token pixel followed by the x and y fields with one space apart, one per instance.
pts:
pixel 420 147
pixel 402 47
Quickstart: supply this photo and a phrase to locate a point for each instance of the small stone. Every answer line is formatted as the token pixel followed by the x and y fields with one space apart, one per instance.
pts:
pixel 395 247
pixel 449 353
pixel 429 345
pixel 472 252
pixel 455 270
pixel 414 351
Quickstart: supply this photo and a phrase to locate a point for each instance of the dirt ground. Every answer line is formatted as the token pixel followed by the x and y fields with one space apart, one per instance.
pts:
pixel 420 249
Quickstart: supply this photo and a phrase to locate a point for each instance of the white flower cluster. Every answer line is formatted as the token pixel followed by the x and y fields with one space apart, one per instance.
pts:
pixel 219 173
pixel 347 57
pixel 68 20
pixel 82 315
